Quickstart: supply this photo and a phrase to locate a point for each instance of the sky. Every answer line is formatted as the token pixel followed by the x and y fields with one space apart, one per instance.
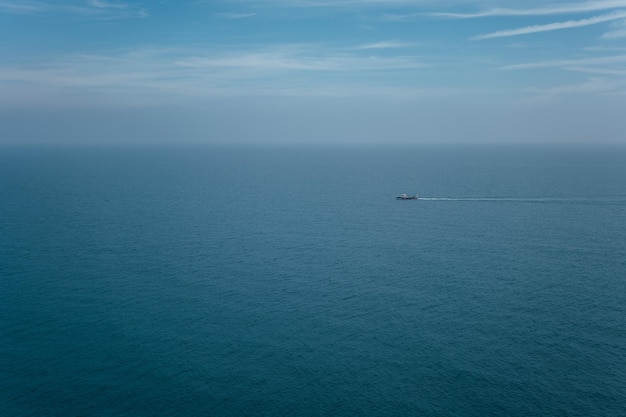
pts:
pixel 312 71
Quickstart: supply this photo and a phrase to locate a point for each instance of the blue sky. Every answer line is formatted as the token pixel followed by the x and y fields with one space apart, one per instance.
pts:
pixel 313 70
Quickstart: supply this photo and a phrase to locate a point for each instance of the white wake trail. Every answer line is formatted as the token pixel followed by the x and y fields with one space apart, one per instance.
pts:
pixel 531 199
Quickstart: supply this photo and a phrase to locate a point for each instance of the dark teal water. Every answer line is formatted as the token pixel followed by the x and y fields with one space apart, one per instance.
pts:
pixel 271 282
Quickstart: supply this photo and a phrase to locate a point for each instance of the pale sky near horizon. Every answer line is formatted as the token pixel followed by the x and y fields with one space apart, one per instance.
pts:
pixel 312 71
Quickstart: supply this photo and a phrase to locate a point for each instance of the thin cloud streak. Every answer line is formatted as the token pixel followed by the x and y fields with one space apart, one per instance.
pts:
pixel 615 34
pixel 608 72
pixel 618 72
pixel 592 85
pixel 282 61
pixel 618 31
pixel 196 75
pixel 602 61
pixel 406 17
pixel 552 26
pixel 539 11
pixel 23 7
pixel 340 3
pixel 384 45
pixel 107 5
pixel 95 8
pixel 227 15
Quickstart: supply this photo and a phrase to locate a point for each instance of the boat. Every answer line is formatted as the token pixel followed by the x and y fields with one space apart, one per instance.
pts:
pixel 405 196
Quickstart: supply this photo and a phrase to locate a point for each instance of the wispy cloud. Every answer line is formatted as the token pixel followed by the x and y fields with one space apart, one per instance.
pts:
pixel 294 58
pixel 384 45
pixel 341 3
pixel 591 6
pixel 296 69
pixel 334 4
pixel 553 26
pixel 605 48
pixel 617 31
pixel 94 8
pixel 592 85
pixel 404 17
pixel 618 72
pixel 23 7
pixel 565 63
pixel 107 5
pixel 231 15
pixel 608 73
pixel 111 10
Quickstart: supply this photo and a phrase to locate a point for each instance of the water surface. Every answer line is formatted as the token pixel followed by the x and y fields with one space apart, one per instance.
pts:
pixel 225 281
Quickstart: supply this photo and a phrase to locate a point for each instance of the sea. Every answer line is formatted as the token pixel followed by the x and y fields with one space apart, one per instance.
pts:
pixel 288 280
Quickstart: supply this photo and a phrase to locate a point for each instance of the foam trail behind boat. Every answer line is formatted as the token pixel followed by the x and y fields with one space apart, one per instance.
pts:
pixel 528 200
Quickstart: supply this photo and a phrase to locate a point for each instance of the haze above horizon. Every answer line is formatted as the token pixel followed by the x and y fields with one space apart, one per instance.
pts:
pixel 279 71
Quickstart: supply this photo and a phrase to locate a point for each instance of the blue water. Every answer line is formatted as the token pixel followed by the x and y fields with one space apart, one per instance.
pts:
pixel 223 281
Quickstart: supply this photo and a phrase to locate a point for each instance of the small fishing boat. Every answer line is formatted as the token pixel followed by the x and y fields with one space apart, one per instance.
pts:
pixel 405 196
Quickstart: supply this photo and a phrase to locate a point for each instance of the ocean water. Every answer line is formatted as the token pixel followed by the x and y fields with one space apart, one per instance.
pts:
pixel 268 281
